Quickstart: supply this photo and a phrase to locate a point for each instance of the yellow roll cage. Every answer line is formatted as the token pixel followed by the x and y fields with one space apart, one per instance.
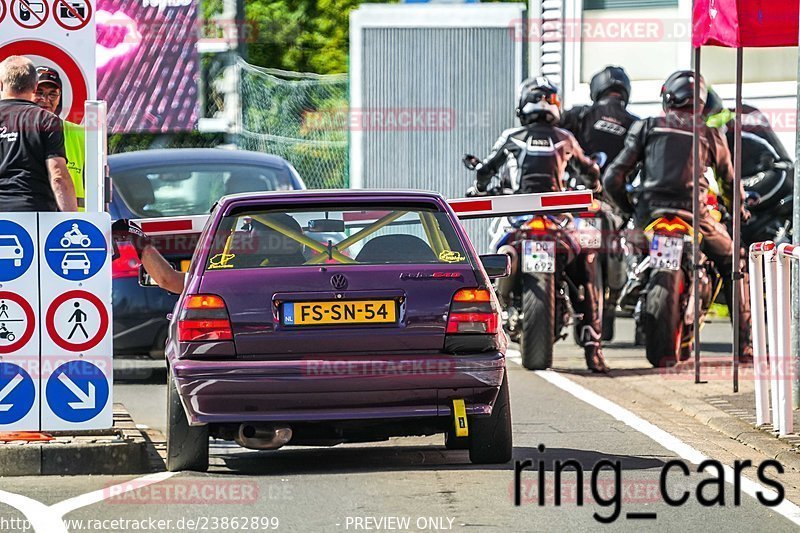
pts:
pixel 429 224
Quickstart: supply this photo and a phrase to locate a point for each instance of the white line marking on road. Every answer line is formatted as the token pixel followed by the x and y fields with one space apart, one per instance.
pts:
pixel 786 509
pixel 50 519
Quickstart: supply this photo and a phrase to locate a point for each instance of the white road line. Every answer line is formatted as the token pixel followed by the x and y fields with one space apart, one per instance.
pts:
pixel 786 509
pixel 50 519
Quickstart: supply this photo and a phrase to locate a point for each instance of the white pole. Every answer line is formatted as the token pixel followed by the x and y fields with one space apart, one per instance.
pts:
pixel 784 303
pixel 96 131
pixel 758 326
pixel 770 273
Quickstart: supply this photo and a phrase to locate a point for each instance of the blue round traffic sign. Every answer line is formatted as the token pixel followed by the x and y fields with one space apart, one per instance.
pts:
pixel 75 250
pixel 17 393
pixel 16 250
pixel 77 391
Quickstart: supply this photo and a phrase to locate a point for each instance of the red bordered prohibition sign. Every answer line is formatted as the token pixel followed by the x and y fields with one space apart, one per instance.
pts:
pixel 63 343
pixel 30 322
pixel 24 13
pixel 72 12
pixel 3 10
pixel 77 81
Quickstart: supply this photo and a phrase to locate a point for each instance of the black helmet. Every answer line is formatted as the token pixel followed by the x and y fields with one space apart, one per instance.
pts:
pixel 609 79
pixel 678 90
pixel 713 105
pixel 538 101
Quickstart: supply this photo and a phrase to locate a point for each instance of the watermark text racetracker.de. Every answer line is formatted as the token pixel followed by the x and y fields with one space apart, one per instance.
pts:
pixel 602 30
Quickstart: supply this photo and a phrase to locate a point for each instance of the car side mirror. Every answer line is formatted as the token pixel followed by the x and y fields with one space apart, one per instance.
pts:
pixel 496 265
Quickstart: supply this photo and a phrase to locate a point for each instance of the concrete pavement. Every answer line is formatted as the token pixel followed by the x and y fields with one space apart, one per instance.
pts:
pixel 414 484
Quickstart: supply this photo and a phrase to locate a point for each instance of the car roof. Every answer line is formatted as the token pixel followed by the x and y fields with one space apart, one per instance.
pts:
pixel 326 195
pixel 167 156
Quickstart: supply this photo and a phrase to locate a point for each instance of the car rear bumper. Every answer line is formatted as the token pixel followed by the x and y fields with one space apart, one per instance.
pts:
pixel 315 389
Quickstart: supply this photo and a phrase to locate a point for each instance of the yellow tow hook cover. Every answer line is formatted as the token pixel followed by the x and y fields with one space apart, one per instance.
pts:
pixel 460 418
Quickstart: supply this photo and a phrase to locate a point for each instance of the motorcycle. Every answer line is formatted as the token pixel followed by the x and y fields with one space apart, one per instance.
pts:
pixel 538 299
pixel 659 290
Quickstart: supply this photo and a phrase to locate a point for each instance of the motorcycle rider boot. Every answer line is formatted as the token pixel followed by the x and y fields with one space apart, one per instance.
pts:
pixel 595 361
pixel 593 351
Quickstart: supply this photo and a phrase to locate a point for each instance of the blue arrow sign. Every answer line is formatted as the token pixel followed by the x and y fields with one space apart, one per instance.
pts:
pixel 77 391
pixel 75 250
pixel 16 250
pixel 17 393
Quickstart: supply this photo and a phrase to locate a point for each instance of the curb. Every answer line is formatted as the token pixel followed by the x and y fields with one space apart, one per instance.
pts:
pixel 120 450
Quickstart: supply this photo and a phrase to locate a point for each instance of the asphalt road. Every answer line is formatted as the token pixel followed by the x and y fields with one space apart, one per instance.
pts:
pixel 401 485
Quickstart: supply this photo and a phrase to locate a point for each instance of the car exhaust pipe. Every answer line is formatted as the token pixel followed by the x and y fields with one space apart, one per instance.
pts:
pixel 263 437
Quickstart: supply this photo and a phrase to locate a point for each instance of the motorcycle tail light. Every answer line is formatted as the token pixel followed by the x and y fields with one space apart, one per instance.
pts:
pixel 204 318
pixel 473 311
pixel 537 225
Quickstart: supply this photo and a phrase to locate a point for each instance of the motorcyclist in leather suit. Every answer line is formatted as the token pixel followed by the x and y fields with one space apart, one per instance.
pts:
pixel 602 126
pixel 541 152
pixel 767 168
pixel 663 147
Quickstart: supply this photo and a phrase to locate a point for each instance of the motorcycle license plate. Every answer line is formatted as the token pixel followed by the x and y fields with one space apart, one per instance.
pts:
pixel 666 252
pixel 539 256
pixel 590 232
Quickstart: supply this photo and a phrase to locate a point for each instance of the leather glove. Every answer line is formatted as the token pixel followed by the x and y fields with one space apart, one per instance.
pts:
pixel 127 230
pixel 476 190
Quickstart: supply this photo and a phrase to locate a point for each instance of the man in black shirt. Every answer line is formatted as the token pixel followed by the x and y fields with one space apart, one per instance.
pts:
pixel 33 164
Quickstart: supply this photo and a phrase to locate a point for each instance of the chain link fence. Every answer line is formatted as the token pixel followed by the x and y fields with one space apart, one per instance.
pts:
pixel 300 117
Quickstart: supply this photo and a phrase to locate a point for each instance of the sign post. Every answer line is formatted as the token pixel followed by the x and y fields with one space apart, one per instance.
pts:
pixel 77 351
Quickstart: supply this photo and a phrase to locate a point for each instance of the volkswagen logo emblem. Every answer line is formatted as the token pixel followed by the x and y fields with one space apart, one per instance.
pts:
pixel 339 282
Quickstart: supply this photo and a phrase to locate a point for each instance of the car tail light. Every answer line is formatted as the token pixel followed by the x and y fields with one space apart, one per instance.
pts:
pixel 473 311
pixel 127 264
pixel 204 317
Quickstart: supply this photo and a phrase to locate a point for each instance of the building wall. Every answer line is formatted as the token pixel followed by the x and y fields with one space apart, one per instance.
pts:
pixel 461 64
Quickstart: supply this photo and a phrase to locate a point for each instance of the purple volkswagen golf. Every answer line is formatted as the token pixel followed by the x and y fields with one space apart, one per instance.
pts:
pixel 325 317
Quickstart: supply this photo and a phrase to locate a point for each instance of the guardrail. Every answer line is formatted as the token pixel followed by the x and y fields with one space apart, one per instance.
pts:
pixel 770 265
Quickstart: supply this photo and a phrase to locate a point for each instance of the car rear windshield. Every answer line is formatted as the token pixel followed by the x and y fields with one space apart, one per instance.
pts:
pixel 8 241
pixel 350 236
pixel 187 189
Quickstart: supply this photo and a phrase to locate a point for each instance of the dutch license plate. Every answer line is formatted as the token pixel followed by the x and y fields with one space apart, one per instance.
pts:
pixel 539 256
pixel 590 232
pixel 666 252
pixel 339 313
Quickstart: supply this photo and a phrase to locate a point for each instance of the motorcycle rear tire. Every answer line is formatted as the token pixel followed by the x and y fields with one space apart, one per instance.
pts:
pixel 538 329
pixel 662 319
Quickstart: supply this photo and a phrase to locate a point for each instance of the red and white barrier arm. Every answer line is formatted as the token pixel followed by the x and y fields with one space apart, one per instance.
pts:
pixel 173 225
pixel 465 208
pixel 521 204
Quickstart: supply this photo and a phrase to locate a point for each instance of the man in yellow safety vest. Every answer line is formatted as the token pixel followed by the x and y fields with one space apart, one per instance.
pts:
pixel 48 96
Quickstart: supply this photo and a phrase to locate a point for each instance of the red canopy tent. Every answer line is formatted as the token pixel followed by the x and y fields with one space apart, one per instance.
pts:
pixel 737 24
pixel 745 23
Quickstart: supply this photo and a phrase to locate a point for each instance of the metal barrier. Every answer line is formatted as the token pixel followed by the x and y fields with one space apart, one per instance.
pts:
pixel 771 265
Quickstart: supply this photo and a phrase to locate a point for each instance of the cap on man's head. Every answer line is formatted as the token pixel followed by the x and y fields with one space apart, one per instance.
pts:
pixel 48 75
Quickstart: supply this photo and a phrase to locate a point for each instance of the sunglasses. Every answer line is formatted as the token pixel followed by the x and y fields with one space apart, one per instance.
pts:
pixel 52 96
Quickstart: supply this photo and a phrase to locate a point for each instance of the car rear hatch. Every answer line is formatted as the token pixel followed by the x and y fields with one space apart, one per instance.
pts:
pixel 388 289
pixel 409 308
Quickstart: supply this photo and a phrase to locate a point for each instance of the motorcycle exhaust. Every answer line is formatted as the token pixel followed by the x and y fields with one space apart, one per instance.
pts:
pixel 257 437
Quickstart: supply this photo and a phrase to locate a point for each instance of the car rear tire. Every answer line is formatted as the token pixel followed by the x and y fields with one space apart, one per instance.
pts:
pixel 538 316
pixel 187 446
pixel 661 318
pixel 490 440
